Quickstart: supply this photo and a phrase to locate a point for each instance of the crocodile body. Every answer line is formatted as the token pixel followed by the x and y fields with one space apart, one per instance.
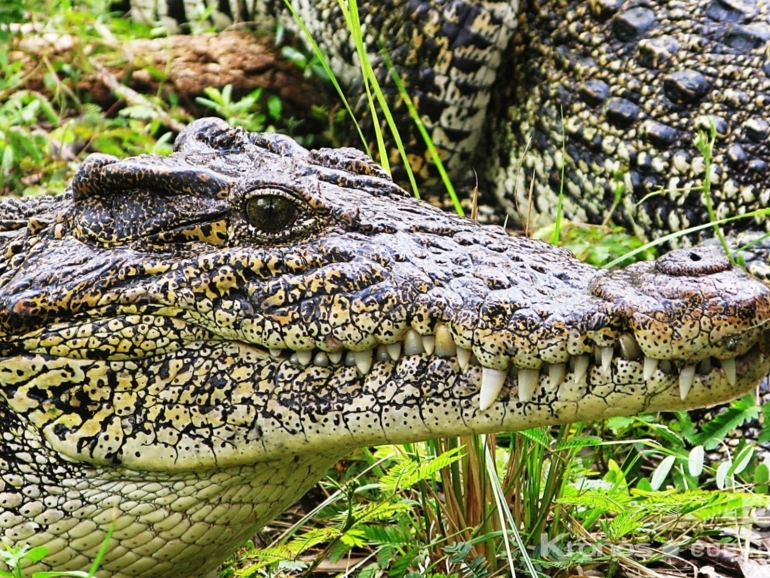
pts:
pixel 613 92
pixel 188 342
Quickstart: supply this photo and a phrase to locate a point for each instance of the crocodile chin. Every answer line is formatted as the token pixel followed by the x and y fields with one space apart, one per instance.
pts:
pixel 197 337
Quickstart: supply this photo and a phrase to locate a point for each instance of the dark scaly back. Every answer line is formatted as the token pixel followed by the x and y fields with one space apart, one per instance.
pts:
pixel 634 82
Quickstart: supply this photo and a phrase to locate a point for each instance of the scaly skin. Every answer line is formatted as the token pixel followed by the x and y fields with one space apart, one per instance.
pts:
pixel 616 93
pixel 180 358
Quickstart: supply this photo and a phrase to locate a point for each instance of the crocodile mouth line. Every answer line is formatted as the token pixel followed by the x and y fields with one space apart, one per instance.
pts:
pixel 524 381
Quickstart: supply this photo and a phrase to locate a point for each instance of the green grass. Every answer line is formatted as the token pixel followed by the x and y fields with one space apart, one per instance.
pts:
pixel 472 506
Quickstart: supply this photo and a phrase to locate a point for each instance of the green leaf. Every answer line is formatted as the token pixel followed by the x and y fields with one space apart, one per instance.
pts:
pixel 139 112
pixel 721 476
pixel 644 485
pixel 579 442
pixel 603 501
pixel 623 524
pixel 386 535
pixel 695 461
pixel 408 473
pixel 8 157
pixel 742 460
pixel 537 435
pixel 274 107
pixel 661 472
pixel 370 571
pixel 740 411
pixel 761 477
pixel 36 554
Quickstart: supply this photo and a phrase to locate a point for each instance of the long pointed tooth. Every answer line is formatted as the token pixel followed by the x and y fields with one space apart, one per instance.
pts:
pixel 335 358
pixel 363 361
pixel 528 381
pixel 429 343
pixel 304 357
pixel 607 355
pixel 394 350
pixel 556 372
pixel 463 358
pixel 492 381
pixel 413 343
pixel 686 378
pixel 650 367
pixel 729 366
pixel 629 347
pixel 581 368
pixel 445 345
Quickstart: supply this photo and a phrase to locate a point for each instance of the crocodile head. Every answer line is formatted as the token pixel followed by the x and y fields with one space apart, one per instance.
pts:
pixel 203 334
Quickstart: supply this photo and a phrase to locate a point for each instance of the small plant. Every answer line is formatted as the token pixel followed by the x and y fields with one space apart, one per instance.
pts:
pixel 246 112
pixel 310 64
pixel 14 557
pixel 598 244
pixel 24 145
pixel 704 142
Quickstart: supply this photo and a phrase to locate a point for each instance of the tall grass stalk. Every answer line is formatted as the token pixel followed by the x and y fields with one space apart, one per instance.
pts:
pixel 560 203
pixel 704 142
pixel 325 64
pixel 682 233
pixel 432 150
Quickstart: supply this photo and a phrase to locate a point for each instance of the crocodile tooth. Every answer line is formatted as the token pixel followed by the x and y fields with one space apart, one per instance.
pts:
pixel 650 367
pixel 382 353
pixel 394 350
pixel 413 343
pixel 363 360
pixel 629 347
pixel 581 368
pixel 445 345
pixel 350 359
pixel 277 353
pixel 429 343
pixel 607 354
pixel 492 381
pixel 321 359
pixel 556 372
pixel 704 367
pixel 528 380
pixel 304 357
pixel 686 378
pixel 463 358
pixel 729 366
pixel 335 358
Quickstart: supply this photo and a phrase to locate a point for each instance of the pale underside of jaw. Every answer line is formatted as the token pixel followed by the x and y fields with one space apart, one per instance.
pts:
pixel 571 375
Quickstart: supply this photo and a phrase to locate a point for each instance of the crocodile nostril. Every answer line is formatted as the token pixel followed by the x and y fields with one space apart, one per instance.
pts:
pixel 693 262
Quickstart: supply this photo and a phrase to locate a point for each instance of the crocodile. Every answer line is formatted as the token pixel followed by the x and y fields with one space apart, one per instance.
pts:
pixel 187 343
pixel 599 102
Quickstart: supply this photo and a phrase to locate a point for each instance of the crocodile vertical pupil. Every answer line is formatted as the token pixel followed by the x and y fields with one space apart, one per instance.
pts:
pixel 270 213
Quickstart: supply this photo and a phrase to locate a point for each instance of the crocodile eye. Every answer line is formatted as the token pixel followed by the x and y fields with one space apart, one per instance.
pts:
pixel 270 213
